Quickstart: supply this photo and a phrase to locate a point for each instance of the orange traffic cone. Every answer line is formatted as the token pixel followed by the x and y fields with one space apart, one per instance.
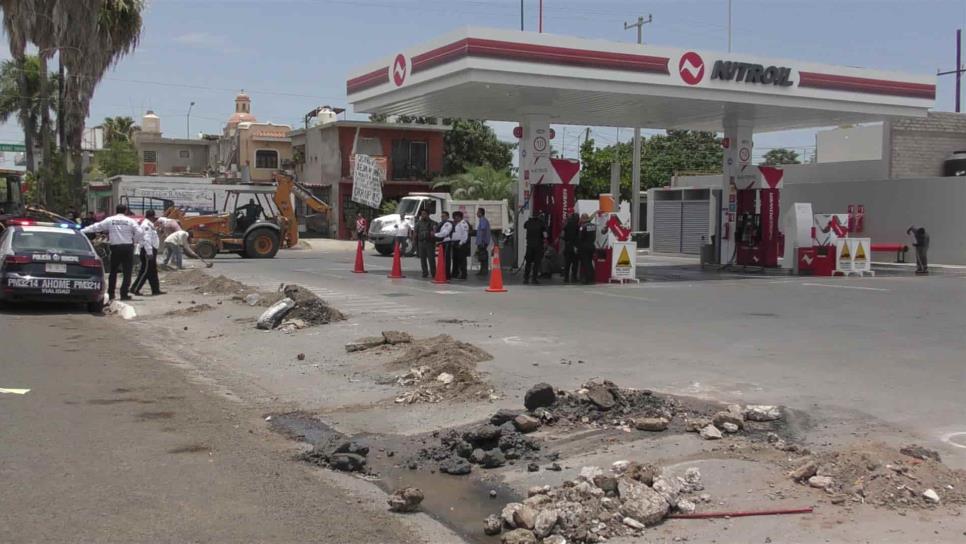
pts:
pixel 360 267
pixel 440 265
pixel 496 275
pixel 396 263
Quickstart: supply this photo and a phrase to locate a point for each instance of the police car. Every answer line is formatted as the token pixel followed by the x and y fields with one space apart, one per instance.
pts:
pixel 49 262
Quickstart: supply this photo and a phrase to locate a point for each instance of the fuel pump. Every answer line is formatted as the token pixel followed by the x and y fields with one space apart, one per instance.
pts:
pixel 758 241
pixel 555 198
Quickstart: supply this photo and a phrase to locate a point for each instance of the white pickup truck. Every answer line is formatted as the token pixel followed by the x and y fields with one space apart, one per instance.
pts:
pixel 382 231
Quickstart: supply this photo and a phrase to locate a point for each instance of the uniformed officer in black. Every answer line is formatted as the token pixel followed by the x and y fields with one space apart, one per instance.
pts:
pixel 586 245
pixel 535 227
pixel 425 231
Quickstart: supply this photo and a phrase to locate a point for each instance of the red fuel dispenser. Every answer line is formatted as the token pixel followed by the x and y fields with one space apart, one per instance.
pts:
pixel 756 218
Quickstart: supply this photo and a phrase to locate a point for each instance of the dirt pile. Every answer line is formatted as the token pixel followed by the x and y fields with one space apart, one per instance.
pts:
pixel 882 476
pixel 486 446
pixel 597 506
pixel 310 308
pixel 441 369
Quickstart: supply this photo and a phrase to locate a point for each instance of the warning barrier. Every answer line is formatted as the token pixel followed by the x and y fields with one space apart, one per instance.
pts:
pixel 624 262
pixel 852 256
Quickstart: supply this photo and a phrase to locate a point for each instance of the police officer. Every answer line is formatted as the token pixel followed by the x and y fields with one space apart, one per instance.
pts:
pixel 535 228
pixel 461 245
pixel 445 238
pixel 586 245
pixel 571 232
pixel 426 243
pixel 122 233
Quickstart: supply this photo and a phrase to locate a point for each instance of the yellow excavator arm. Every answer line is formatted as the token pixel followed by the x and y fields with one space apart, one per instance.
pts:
pixel 285 186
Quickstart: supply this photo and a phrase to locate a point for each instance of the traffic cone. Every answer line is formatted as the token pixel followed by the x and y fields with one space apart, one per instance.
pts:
pixel 496 274
pixel 440 265
pixel 396 263
pixel 360 266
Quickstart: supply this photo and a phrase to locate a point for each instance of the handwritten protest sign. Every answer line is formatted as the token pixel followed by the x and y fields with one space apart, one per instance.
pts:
pixel 367 179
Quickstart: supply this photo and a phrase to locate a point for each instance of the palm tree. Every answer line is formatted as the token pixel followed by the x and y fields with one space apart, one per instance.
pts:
pixel 118 129
pixel 20 96
pixel 479 182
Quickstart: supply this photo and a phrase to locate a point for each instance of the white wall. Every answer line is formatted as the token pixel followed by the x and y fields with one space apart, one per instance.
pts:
pixel 892 205
pixel 858 143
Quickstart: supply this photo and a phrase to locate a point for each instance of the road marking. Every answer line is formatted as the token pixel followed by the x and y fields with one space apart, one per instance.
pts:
pixel 14 391
pixel 948 438
pixel 846 287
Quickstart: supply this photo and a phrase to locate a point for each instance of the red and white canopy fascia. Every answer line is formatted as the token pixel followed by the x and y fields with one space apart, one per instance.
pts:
pixel 505 75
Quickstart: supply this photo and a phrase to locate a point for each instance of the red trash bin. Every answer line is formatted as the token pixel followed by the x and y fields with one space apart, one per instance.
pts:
pixel 602 259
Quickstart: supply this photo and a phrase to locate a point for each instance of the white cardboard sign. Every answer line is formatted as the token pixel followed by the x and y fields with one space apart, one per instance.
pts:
pixel 367 181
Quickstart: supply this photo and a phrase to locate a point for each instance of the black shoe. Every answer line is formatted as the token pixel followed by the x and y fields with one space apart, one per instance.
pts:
pixel 425 274
pixel 158 293
pixel 127 297
pixel 136 293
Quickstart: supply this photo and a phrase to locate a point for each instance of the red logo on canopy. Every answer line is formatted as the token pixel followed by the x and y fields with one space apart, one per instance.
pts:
pixel 691 68
pixel 399 68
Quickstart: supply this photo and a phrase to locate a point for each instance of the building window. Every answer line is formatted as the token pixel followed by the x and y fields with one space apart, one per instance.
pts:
pixel 266 158
pixel 150 156
pixel 409 159
pixel 184 154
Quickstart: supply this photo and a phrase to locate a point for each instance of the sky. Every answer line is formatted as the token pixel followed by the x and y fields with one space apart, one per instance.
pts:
pixel 293 55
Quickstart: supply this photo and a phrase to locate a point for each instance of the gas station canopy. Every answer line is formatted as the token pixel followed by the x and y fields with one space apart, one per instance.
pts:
pixel 502 75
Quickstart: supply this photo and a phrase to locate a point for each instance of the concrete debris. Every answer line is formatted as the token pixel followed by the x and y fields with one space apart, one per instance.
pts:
pixel 804 471
pixel 507 513
pixel 619 467
pixel 397 337
pixel 710 433
pixel 555 539
pixel 405 500
pixel 492 525
pixel 762 412
pixel 526 424
pixel 309 307
pixel 589 473
pixel 519 536
pixel 644 473
pixel 606 483
pixel 919 452
pixel 931 496
pixel 292 325
pixel 670 488
pixel 729 427
pixel 694 425
pixel 445 378
pixel 504 415
pixel 641 502
pixel 524 517
pixel 721 418
pixel 456 466
pixel 300 356
pixel 253 299
pixel 600 394
pixel 692 477
pixel 633 524
pixel 685 506
pixel 653 424
pixel 122 309
pixel 540 396
pixel 367 342
pixel 347 462
pixel 821 482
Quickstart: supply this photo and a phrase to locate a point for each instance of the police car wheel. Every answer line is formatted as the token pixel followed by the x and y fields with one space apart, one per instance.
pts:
pixel 384 249
pixel 96 307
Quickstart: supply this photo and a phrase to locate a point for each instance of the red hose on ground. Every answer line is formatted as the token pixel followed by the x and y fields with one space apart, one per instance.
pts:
pixel 703 515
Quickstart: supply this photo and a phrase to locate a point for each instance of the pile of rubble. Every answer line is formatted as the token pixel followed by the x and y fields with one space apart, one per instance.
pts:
pixel 912 477
pixel 436 369
pixel 346 456
pixel 597 506
pixel 207 285
pixel 604 404
pixel 490 445
pixel 293 307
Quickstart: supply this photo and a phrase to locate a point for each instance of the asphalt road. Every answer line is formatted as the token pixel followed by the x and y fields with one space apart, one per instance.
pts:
pixel 883 353
pixel 113 445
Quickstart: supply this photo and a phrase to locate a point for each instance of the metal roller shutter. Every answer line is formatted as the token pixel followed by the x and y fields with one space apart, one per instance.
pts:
pixel 666 237
pixel 694 225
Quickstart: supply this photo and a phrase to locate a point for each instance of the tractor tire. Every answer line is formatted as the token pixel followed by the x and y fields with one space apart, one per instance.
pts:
pixel 262 244
pixel 206 249
pixel 384 249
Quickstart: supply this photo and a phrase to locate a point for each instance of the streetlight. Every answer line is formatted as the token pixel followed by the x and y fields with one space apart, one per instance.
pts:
pixel 187 121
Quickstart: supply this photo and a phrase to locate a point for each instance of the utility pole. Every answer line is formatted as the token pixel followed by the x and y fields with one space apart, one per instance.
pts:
pixel 729 26
pixel 521 15
pixel 636 173
pixel 959 67
pixel 187 121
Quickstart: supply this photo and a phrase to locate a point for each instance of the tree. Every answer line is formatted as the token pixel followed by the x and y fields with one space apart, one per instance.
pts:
pixel 780 155
pixel 22 100
pixel 479 182
pixel 118 129
pixel 470 143
pixel 378 118
pixel 117 158
pixel 662 156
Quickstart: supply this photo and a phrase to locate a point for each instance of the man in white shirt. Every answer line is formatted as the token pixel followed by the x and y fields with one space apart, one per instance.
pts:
pixel 122 233
pixel 174 245
pixel 461 245
pixel 444 236
pixel 167 226
pixel 149 256
pixel 402 234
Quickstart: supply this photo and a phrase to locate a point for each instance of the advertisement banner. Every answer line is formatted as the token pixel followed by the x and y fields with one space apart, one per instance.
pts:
pixel 367 179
